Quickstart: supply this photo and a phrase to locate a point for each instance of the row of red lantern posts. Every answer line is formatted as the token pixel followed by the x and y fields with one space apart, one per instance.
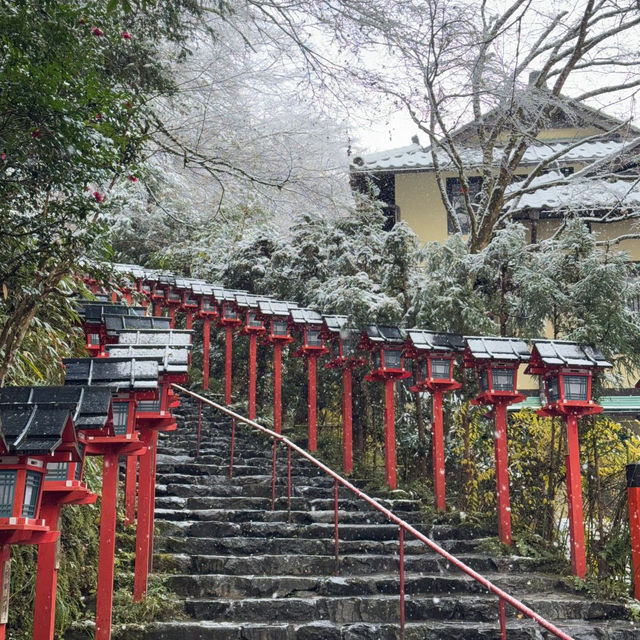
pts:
pixel 566 369
pixel 112 405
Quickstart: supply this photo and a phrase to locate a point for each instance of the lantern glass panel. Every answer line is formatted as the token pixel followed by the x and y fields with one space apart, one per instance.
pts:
pixel 145 288
pixel 253 321
pixel 483 380
pixel 503 379
pixel 78 473
pixel 31 491
pixel 120 417
pixel 552 388
pixel 149 406
pixel 313 338
pixel 94 339
pixel 334 349
pixel 575 388
pixel 392 359
pixel 7 492
pixel 349 344
pixel 280 327
pixel 229 312
pixel 190 302
pixel 207 305
pixel 174 295
pixel 377 360
pixel 441 368
pixel 423 372
pixel 57 471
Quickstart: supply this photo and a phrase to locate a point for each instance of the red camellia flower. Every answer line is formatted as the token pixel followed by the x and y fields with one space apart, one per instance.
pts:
pixel 36 134
pixel 3 156
pixel 126 35
pixel 127 104
pixel 96 31
pixel 98 116
pixel 98 196
pixel 133 179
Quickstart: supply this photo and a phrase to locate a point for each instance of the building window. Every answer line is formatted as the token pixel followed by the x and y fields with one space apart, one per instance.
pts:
pixel 455 194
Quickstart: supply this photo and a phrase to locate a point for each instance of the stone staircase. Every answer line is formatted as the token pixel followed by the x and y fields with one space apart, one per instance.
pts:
pixel 243 572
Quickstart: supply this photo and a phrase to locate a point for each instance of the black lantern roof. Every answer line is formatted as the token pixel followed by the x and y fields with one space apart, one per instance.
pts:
pixel 115 324
pixel 132 374
pixel 384 334
pixel 568 354
pixel 423 340
pixel 334 324
pixel 171 359
pixel 305 317
pixel 92 404
pixel 201 288
pixel 134 270
pixel 490 348
pixel 94 312
pixel 274 308
pixel 173 337
pixel 248 300
pixel 166 279
pixel 36 428
pixel 226 295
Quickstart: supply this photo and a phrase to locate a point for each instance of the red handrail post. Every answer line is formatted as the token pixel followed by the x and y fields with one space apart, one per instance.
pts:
pixel 390 433
pixel 347 421
pixel 503 618
pixel 277 387
pixel 206 331
pixel 336 532
pixel 574 499
pixel 401 571
pixel 253 356
pixel 503 502
pixel 228 364
pixel 633 494
pixel 199 430
pixel 274 454
pixel 312 402
pixel 5 578
pixel 437 451
pixel 233 444
pixel 288 483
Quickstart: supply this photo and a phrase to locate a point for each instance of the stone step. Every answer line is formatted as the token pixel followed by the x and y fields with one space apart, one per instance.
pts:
pixel 257 479
pixel 238 545
pixel 385 608
pixel 325 630
pixel 305 565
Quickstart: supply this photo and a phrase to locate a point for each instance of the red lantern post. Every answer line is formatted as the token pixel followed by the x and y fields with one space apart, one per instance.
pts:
pixel 496 361
pixel 435 354
pixel 633 494
pixel 386 345
pixel 229 319
pixel 307 325
pixel 276 315
pixel 566 369
pixel 207 311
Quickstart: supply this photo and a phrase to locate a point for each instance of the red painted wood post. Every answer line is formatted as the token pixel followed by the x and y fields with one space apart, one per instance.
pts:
pixel 44 610
pixel 503 502
pixel 253 356
pixel 114 296
pixel 401 572
pixel 128 298
pixel 347 422
pixel 228 364
pixel 312 403
pixel 274 454
pixel 390 433
pixel 157 309
pixel 104 593
pixel 189 322
pixel 633 494
pixel 574 499
pixel 206 328
pixel 130 485
pixel 172 317
pixel 437 451
pixel 277 387
pixel 336 527
pixel 141 569
pixel 152 480
pixel 5 578
pixel 502 614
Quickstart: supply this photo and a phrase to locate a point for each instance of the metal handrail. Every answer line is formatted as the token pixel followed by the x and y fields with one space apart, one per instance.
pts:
pixel 503 596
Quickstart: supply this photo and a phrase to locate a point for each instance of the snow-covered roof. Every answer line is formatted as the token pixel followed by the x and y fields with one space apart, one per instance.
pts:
pixel 248 300
pixel 271 308
pixel 305 316
pixel 335 323
pixel 581 194
pixel 382 333
pixel 423 340
pixel 569 354
pixel 485 348
pixel 415 157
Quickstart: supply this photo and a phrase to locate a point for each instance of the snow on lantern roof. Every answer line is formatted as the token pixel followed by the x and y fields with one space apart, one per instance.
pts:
pixel 201 288
pixel 415 157
pixel 569 354
pixel 132 374
pixel 115 324
pixel 93 311
pixel 383 333
pixel 227 295
pixel 34 428
pixel 136 271
pixel 306 316
pixel 92 404
pixel 173 337
pixel 274 308
pixel 248 300
pixel 184 283
pixel 490 348
pixel 171 359
pixel 335 324
pixel 423 340
pixel 166 279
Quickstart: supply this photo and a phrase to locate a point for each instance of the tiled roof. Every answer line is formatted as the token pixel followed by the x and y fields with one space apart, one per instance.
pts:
pixel 174 337
pixel 335 323
pixel 482 348
pixel 172 359
pixel 305 316
pixel 114 324
pixel 386 334
pixel 116 373
pixel 570 354
pixel 424 340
